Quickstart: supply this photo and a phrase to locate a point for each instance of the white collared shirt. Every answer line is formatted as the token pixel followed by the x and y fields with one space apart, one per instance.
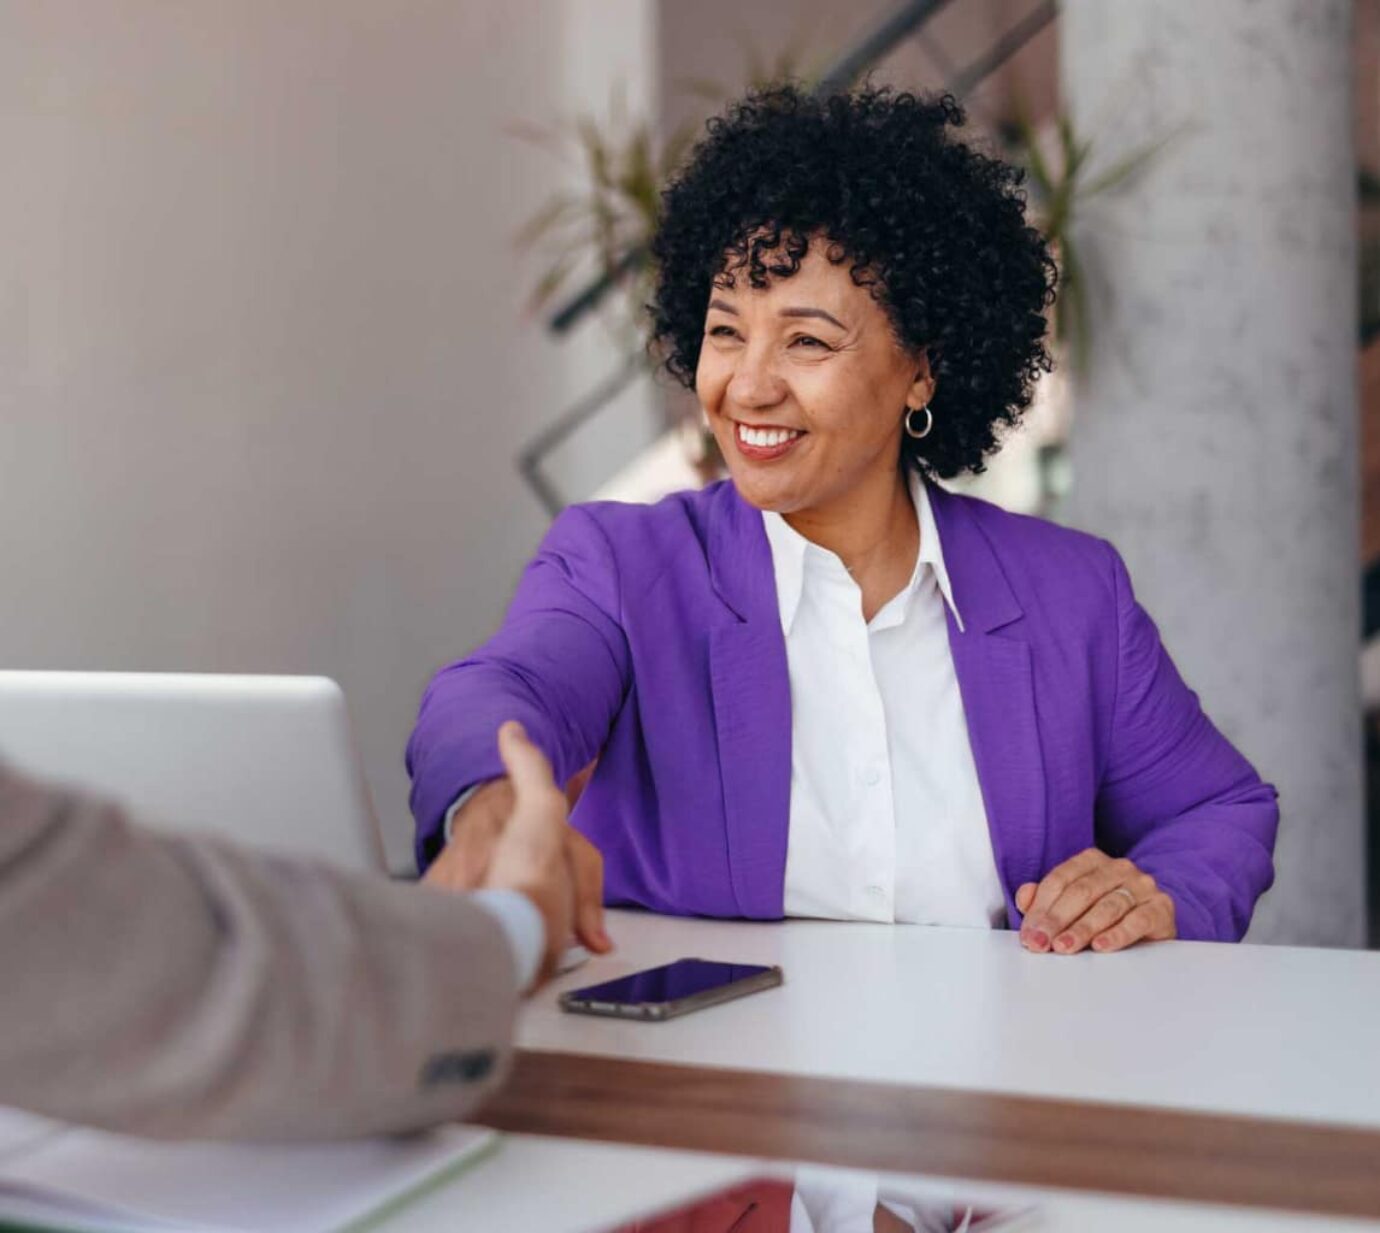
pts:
pixel 887 821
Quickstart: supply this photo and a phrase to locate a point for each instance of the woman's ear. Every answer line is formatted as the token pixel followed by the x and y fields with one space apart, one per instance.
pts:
pixel 922 385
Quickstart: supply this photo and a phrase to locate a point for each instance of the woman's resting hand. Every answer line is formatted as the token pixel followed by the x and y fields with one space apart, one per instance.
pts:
pixel 1095 900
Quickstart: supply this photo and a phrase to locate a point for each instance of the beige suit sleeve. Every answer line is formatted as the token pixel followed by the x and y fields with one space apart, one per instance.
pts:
pixel 176 987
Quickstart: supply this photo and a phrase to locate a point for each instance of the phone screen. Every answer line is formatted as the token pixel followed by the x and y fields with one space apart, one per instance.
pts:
pixel 681 979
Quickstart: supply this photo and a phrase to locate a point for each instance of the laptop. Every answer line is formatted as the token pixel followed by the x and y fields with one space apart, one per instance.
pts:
pixel 267 761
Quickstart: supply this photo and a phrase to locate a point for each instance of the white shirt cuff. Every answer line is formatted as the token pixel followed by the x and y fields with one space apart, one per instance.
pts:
pixel 522 925
pixel 457 805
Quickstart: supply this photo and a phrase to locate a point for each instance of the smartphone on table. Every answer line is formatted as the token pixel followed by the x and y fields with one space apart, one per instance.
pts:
pixel 671 990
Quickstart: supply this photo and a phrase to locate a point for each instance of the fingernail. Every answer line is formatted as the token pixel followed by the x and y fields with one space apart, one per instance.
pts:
pixel 1037 939
pixel 1100 943
pixel 1064 942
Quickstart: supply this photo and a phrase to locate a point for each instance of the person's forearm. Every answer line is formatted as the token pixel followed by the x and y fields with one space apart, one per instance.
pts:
pixel 166 986
pixel 1214 862
pixel 559 665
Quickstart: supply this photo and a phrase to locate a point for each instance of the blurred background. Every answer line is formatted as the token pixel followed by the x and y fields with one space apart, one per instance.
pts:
pixel 313 312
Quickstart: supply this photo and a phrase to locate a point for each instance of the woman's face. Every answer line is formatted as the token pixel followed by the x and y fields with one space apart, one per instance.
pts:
pixel 805 387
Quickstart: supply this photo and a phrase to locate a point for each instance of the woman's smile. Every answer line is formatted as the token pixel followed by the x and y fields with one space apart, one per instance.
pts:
pixel 765 442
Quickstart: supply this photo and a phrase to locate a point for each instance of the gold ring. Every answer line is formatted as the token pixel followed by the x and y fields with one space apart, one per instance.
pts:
pixel 1122 890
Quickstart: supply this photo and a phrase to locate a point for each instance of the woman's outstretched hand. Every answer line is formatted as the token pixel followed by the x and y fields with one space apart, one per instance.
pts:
pixel 514 833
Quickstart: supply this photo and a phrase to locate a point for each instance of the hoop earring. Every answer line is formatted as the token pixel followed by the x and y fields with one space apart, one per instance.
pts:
pixel 929 423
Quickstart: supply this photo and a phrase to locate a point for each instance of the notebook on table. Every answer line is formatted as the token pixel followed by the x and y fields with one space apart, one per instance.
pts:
pixel 85 1181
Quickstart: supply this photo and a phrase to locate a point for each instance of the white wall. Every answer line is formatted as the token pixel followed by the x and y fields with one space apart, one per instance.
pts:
pixel 263 365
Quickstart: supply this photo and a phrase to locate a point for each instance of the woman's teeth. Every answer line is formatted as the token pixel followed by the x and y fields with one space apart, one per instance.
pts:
pixel 765 438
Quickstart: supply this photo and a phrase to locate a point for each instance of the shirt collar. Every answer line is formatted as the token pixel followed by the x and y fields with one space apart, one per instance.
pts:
pixel 931 550
pixel 789 547
pixel 788 563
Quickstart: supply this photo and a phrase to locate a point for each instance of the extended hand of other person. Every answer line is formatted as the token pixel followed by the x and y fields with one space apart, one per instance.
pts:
pixel 1096 900
pixel 480 832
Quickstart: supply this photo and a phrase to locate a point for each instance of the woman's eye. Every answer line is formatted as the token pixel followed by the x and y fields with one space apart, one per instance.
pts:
pixel 723 331
pixel 809 340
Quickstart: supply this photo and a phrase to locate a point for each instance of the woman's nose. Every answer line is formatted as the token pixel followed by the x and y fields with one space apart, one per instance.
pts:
pixel 755 383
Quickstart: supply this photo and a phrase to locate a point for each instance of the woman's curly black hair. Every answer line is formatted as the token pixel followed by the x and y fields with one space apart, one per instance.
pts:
pixel 934 228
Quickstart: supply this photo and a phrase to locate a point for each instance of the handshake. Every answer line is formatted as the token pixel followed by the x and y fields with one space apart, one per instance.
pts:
pixel 512 834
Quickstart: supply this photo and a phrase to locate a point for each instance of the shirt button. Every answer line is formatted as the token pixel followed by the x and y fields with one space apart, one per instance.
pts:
pixel 875 892
pixel 872 776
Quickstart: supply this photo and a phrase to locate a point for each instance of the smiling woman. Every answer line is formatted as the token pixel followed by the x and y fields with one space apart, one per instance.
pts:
pixel 827 687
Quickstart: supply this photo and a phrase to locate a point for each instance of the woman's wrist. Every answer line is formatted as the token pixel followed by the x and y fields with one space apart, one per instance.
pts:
pixel 477 799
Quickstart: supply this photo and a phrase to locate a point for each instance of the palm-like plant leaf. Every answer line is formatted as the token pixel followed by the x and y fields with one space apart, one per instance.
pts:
pixel 551 281
pixel 1057 189
pixel 1127 169
pixel 556 213
pixel 1071 327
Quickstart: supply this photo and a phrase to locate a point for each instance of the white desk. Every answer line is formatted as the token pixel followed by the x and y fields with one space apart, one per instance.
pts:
pixel 563 1186
pixel 1254 1031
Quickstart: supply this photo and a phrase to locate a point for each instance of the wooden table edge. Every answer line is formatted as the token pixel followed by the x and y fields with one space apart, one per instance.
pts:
pixel 1025 1140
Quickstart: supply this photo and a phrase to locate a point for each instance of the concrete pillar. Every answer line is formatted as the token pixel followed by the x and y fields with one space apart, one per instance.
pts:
pixel 1215 435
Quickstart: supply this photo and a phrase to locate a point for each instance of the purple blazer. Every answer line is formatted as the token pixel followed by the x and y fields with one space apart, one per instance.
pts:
pixel 649 636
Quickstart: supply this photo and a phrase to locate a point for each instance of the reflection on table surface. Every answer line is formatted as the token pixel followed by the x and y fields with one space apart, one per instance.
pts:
pixel 818 1200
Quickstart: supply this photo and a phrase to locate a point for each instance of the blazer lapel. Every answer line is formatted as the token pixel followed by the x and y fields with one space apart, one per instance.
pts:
pixel 995 679
pixel 752 705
